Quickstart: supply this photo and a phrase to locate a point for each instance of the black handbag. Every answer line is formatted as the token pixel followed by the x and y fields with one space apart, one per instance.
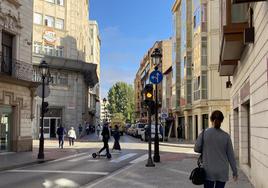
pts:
pixel 198 175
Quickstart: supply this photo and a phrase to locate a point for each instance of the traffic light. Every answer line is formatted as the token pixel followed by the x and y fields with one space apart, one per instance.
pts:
pixel 45 107
pixel 148 92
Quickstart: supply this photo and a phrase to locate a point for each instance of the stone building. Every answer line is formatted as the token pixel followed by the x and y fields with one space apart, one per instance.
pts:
pixel 244 58
pixel 17 91
pixel 197 88
pixel 61 37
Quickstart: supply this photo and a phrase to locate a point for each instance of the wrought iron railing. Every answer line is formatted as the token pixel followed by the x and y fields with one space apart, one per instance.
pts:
pixel 16 68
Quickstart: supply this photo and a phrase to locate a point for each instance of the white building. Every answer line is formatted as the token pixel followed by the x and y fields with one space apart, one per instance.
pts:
pixel 244 57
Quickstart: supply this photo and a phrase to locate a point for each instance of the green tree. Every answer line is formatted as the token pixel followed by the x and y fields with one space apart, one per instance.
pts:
pixel 121 100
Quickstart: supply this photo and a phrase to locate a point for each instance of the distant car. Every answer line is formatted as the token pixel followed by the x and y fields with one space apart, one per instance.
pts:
pixel 145 133
pixel 127 126
pixel 131 130
pixel 139 129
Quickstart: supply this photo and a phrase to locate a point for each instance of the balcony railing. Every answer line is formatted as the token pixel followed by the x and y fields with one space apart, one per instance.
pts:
pixel 16 68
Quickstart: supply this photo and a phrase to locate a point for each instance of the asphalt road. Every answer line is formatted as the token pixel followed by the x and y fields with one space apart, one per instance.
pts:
pixel 79 170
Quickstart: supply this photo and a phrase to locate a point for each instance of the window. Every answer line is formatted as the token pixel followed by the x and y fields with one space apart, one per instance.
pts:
pixel 59 24
pixel 63 79
pixel 49 21
pixel 38 18
pixel 59 51
pixel 7 48
pixel 51 1
pixel 60 2
pixel 37 47
pixel 239 13
pixel 48 50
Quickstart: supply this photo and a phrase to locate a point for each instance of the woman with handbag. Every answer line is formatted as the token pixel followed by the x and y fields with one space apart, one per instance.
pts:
pixel 217 153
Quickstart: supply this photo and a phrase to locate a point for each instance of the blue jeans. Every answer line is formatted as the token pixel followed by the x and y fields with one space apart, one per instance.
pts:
pixel 211 184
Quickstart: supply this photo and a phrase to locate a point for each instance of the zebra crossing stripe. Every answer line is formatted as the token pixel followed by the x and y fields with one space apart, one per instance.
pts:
pixel 79 159
pixel 122 158
pixel 140 159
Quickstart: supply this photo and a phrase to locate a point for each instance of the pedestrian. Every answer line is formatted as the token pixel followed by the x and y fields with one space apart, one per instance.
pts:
pixel 80 129
pixel 87 129
pixel 61 132
pixel 105 138
pixel 116 135
pixel 72 136
pixel 98 130
pixel 217 152
pixel 178 132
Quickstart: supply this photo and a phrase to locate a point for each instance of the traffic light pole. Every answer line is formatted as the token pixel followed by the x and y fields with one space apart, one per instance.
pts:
pixel 41 139
pixel 150 162
pixel 156 138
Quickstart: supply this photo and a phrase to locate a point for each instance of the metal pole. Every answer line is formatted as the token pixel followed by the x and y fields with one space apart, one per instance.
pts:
pixel 41 139
pixel 150 162
pixel 156 138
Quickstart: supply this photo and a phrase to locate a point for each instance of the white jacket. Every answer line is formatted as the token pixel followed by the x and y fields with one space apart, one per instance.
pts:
pixel 71 133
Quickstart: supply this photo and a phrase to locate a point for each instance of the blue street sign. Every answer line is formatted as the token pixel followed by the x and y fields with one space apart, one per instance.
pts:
pixel 156 77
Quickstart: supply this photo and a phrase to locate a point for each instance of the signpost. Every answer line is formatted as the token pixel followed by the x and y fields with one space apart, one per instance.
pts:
pixel 156 77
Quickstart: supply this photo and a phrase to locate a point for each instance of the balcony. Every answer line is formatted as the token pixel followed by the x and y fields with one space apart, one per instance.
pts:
pixel 234 22
pixel 16 69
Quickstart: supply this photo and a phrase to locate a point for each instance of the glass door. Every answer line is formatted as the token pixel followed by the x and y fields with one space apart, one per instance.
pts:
pixel 5 132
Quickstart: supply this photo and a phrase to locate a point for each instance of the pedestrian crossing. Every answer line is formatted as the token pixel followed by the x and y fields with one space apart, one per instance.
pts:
pixel 116 158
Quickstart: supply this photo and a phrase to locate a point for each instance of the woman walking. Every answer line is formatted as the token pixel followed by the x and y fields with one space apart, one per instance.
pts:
pixel 217 152
pixel 72 136
pixel 116 136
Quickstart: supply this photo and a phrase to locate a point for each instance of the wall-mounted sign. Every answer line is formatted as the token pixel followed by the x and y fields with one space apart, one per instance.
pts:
pixel 49 36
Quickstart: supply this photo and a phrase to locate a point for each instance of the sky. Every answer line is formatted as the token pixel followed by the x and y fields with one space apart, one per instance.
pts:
pixel 127 30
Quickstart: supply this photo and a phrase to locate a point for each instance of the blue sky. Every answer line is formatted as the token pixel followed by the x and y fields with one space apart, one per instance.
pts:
pixel 128 29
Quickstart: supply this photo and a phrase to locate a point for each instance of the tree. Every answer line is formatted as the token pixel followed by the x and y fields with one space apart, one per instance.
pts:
pixel 121 100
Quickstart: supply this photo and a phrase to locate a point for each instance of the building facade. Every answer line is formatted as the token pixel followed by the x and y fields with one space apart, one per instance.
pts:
pixel 142 77
pixel 61 37
pixel 17 91
pixel 244 58
pixel 94 57
pixel 197 87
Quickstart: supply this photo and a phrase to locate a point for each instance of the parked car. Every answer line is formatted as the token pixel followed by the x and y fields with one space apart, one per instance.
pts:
pixel 127 126
pixel 131 130
pixel 145 133
pixel 139 129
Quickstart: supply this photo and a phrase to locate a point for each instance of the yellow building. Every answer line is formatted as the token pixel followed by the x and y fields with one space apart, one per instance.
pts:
pixel 61 36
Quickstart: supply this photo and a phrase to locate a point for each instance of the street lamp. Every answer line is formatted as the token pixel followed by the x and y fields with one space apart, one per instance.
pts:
pixel 105 109
pixel 43 67
pixel 156 58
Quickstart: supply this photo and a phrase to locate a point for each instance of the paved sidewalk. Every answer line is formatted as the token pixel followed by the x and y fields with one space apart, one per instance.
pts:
pixel 172 172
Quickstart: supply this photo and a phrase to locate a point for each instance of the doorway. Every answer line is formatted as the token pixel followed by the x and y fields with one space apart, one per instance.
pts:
pixel 5 128
pixel 53 128
pixel 196 126
pixel 204 121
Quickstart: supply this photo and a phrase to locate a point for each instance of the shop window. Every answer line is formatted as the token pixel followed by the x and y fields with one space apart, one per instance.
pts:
pixel 49 21
pixel 59 24
pixel 38 18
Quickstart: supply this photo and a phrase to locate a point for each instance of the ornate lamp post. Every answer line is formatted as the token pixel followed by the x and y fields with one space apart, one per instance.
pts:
pixel 44 69
pixel 156 58
pixel 105 109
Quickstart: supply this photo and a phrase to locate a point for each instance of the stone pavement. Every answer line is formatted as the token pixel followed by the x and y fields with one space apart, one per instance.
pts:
pixel 172 172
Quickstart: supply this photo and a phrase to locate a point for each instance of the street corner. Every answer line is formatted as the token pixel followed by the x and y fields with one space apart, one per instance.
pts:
pixel 169 157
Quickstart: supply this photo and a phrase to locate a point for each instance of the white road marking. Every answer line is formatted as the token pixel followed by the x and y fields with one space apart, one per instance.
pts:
pixel 179 171
pixel 124 157
pixel 107 177
pixel 61 172
pixel 68 157
pixel 78 159
pixel 140 159
pixel 93 160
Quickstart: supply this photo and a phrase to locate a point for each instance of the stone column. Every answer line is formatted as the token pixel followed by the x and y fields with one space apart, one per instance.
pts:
pixel 186 123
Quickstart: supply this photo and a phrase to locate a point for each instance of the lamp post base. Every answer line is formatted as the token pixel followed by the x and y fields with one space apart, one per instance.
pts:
pixel 156 158
pixel 40 156
pixel 150 163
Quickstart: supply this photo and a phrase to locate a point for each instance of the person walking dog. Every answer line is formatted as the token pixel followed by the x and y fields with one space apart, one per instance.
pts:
pixel 217 152
pixel 72 136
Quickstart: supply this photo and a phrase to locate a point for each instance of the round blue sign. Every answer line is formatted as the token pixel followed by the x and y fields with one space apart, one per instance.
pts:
pixel 156 77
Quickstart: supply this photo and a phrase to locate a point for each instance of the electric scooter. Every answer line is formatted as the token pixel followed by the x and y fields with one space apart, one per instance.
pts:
pixel 94 155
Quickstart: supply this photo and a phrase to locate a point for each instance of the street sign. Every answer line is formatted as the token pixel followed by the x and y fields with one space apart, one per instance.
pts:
pixel 156 77
pixel 39 91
